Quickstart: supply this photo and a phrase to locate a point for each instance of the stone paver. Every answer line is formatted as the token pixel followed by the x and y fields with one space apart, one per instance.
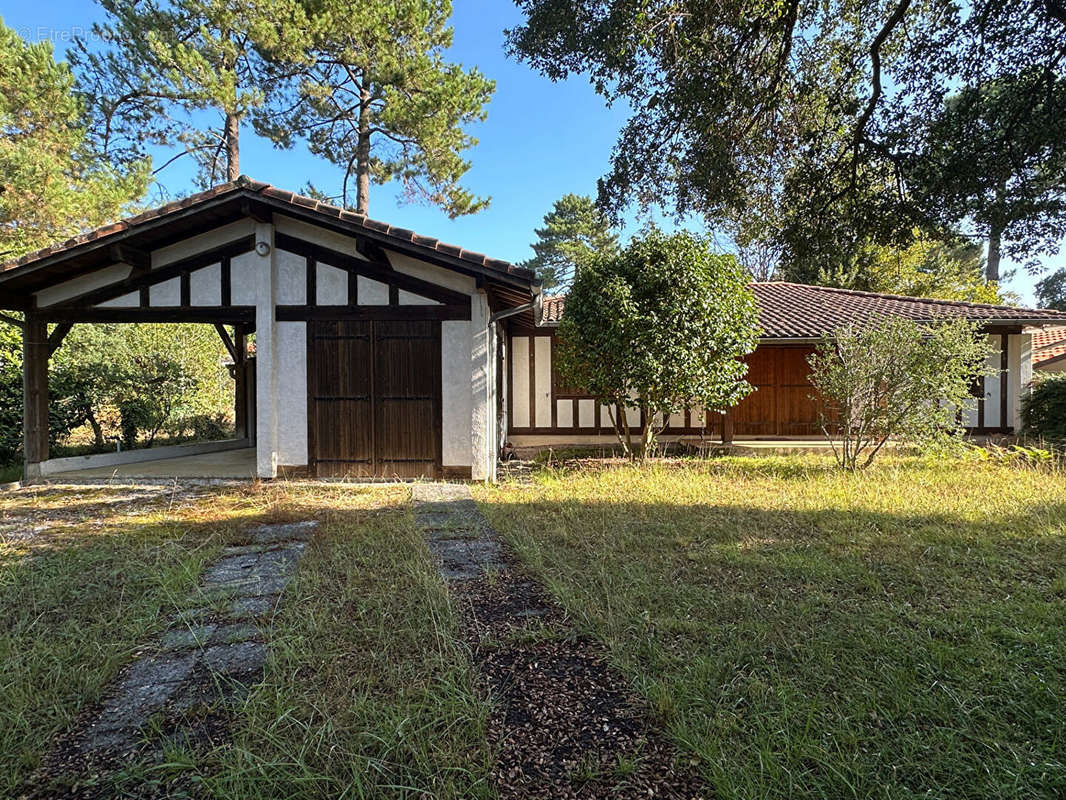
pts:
pixel 209 656
pixel 456 531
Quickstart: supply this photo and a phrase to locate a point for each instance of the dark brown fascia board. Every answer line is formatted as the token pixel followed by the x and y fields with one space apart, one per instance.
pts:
pixel 231 315
pixel 116 238
pixel 421 252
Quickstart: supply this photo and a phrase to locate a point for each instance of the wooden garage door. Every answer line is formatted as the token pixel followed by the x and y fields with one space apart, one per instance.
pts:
pixel 781 405
pixel 374 399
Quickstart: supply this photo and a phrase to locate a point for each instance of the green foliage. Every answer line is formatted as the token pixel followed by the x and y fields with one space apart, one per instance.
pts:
pixel 374 95
pixel 170 60
pixel 1044 408
pixel 53 185
pixel 832 114
pixel 574 231
pixel 10 393
pixel 1051 291
pixel 663 322
pixel 925 268
pixel 896 379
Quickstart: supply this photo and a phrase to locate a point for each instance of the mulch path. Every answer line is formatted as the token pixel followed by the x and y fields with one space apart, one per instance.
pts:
pixel 565 723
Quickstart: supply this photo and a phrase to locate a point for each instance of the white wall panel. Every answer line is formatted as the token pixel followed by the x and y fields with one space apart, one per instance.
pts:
pixel 292 393
pixel 373 293
pixel 412 299
pixel 292 279
pixel 83 284
pixel 456 344
pixel 542 352
pixel 167 293
pixel 208 240
pixel 243 286
pixel 586 413
pixel 331 286
pixel 564 413
pixel 520 382
pixel 131 300
pixel 205 286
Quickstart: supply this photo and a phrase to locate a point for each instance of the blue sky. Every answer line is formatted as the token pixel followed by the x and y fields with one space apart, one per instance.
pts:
pixel 541 139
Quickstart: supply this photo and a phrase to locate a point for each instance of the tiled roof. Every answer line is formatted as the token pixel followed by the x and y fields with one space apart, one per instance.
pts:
pixel 799 311
pixel 249 186
pixel 1049 344
pixel 552 308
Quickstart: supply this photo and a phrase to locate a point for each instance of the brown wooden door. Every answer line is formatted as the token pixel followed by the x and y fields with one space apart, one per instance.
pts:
pixel 374 399
pixel 781 404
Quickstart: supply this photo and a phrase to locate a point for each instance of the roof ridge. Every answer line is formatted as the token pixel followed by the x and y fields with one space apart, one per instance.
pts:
pixel 246 183
pixel 906 297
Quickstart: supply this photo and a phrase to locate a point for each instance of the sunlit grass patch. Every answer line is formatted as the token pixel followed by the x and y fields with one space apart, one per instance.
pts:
pixel 813 633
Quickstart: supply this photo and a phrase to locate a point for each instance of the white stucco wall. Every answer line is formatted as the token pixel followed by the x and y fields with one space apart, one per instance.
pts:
pixel 292 393
pixel 205 286
pixel 86 283
pixel 456 396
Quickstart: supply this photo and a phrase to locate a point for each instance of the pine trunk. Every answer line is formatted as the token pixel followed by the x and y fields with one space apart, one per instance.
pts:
pixel 362 155
pixel 233 148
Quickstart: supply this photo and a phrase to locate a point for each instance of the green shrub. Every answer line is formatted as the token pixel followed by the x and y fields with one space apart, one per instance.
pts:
pixel 1044 410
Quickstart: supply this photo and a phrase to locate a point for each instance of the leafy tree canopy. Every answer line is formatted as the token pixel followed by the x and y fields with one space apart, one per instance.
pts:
pixel 661 325
pixel 896 380
pixel 374 95
pixel 1051 291
pixel 839 114
pixel 53 185
pixel 574 231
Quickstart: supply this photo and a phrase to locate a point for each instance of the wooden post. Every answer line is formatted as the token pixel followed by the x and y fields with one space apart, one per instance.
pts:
pixel 35 352
pixel 240 379
pixel 727 427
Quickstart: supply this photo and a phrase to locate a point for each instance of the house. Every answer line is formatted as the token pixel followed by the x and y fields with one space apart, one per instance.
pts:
pixel 1049 350
pixel 383 353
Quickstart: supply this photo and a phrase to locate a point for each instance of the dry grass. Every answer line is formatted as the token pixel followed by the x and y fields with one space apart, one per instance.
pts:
pixel 813 634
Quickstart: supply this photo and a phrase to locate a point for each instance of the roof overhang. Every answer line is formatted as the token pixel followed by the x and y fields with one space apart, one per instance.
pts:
pixel 138 236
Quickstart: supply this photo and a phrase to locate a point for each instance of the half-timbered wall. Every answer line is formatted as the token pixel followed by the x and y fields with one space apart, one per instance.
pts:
pixel 542 411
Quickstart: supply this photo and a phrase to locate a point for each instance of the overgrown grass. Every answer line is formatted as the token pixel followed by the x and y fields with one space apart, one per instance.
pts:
pixel 807 633
pixel 10 473
pixel 366 692
pixel 76 601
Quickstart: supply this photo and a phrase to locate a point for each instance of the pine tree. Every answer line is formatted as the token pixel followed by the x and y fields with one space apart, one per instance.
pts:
pixel 374 96
pixel 52 183
pixel 573 231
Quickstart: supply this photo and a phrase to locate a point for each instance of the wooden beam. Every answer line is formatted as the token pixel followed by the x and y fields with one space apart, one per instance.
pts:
pixel 370 269
pixel 35 395
pixel 1004 363
pixel 58 335
pixel 227 341
pixel 306 313
pixel 373 251
pixel 232 315
pixel 122 253
pixel 156 276
pixel 257 211
pixel 12 321
pixel 240 385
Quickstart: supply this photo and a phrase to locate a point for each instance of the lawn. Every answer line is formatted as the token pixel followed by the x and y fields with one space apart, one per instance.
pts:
pixel 806 633
pixel 364 690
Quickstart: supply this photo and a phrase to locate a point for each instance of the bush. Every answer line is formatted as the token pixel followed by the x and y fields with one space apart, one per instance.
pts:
pixel 1044 410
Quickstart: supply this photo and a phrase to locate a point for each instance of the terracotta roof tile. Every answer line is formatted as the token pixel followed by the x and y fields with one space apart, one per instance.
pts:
pixel 1049 344
pixel 244 183
pixel 799 311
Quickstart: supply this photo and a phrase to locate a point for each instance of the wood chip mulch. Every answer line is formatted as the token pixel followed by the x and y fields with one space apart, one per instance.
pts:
pixel 565 723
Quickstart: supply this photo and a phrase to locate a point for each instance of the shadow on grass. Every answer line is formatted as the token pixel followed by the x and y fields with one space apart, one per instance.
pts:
pixel 825 653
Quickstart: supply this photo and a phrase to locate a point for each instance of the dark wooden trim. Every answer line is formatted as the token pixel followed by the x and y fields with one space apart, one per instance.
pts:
pixel 370 269
pixel 223 334
pixel 981 402
pixel 144 297
pixel 123 253
pixel 157 276
pixel 186 289
pixel 58 335
pixel 384 313
pixel 311 268
pixel 532 383
pixel 35 393
pixel 258 211
pixel 232 315
pixel 455 473
pixel 226 280
pixel 1004 377
pixel 394 294
pixel 988 431
pixel 353 288
pixel 372 250
pixel 551 383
